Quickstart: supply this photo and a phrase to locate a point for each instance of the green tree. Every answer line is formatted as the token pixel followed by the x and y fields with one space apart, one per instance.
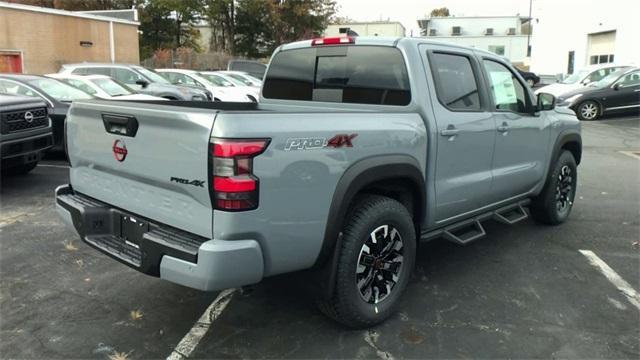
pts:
pixel 440 12
pixel 263 25
pixel 168 24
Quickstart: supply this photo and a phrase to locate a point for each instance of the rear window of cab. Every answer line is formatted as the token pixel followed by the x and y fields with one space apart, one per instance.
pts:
pixel 341 74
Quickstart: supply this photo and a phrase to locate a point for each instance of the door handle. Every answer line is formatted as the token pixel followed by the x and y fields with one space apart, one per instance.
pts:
pixel 503 128
pixel 636 90
pixel 449 131
pixel 118 124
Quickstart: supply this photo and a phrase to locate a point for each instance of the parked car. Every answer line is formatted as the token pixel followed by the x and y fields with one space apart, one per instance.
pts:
pixel 193 78
pixel 25 132
pixel 618 92
pixel 55 93
pixel 217 77
pixel 102 87
pixel 580 79
pixel 141 79
pixel 243 77
pixel 251 67
pixel 426 140
pixel 531 78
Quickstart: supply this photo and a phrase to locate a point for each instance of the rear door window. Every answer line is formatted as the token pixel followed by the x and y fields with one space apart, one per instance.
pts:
pixel 456 84
pixel 349 74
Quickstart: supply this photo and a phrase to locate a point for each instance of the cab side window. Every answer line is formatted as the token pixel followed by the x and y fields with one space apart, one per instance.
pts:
pixel 508 93
pixel 125 76
pixel 456 85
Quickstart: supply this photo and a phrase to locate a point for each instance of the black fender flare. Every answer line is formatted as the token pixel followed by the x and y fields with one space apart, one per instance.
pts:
pixel 359 175
pixel 565 137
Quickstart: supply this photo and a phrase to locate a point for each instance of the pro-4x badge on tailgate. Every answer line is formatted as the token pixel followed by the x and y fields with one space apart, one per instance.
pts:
pixel 119 150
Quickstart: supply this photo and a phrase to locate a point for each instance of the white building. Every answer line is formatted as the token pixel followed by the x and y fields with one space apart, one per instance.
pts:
pixel 573 34
pixel 503 35
pixel 376 28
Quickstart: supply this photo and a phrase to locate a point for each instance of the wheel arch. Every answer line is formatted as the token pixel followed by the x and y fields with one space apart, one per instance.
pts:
pixel 395 176
pixel 571 141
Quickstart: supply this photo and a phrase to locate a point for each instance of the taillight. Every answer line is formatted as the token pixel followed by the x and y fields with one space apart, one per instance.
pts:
pixel 333 40
pixel 234 186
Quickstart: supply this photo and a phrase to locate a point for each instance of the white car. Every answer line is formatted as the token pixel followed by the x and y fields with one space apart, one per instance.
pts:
pixel 195 78
pixel 579 79
pixel 102 86
pixel 243 77
pixel 228 82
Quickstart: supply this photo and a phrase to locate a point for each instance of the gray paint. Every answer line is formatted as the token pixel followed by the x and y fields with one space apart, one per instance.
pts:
pixel 464 174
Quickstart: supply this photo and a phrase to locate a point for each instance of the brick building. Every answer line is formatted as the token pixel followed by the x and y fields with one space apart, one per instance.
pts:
pixel 37 40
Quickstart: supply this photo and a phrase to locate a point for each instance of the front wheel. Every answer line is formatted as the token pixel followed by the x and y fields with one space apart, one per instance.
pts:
pixel 554 203
pixel 374 264
pixel 588 110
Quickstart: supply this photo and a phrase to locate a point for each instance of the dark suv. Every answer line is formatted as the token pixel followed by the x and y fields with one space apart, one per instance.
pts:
pixel 25 131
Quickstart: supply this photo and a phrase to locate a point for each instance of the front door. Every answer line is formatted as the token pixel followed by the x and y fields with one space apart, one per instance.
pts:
pixel 465 132
pixel 624 95
pixel 522 137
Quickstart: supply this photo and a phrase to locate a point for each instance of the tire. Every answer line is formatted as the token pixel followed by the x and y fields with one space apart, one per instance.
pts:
pixel 531 82
pixel 588 110
pixel 366 305
pixel 21 169
pixel 553 205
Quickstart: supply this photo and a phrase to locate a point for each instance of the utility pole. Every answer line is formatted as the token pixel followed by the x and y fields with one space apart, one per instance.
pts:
pixel 530 30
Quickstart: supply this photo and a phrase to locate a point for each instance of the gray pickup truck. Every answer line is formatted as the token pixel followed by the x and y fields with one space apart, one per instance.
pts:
pixel 25 132
pixel 358 149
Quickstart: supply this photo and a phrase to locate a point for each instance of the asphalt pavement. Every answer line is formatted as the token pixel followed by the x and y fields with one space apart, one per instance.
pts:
pixel 523 291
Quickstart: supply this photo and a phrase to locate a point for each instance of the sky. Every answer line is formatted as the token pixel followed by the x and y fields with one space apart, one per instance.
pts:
pixel 408 11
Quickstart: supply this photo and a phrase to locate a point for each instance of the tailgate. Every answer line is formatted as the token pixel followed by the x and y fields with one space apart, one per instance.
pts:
pixel 147 159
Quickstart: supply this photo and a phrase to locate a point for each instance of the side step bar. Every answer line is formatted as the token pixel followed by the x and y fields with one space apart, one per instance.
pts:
pixel 469 230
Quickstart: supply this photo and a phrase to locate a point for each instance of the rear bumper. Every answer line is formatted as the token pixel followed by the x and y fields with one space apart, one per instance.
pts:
pixel 171 254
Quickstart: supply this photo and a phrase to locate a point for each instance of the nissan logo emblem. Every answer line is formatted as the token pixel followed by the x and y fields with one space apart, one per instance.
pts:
pixel 28 116
pixel 119 150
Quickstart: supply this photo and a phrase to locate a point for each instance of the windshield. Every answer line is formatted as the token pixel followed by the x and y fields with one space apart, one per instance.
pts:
pixel 575 77
pixel 240 78
pixel 217 80
pixel 235 82
pixel 152 75
pixel 111 87
pixel 59 90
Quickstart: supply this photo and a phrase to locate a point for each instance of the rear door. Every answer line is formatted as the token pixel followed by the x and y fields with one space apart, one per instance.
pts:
pixel 149 160
pixel 522 137
pixel 466 131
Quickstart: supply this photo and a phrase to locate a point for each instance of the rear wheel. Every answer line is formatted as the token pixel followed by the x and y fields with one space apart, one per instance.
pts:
pixel 588 110
pixel 374 264
pixel 554 203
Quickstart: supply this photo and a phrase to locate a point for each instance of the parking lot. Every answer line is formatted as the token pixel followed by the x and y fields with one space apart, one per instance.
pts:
pixel 525 291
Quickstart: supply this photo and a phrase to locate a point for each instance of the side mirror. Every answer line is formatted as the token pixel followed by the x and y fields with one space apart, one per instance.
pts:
pixel 143 83
pixel 617 86
pixel 546 102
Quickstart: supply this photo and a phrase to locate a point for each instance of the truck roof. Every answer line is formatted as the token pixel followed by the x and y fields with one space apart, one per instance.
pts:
pixel 388 41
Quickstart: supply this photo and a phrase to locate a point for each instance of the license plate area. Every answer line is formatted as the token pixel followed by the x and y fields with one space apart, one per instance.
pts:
pixel 132 229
